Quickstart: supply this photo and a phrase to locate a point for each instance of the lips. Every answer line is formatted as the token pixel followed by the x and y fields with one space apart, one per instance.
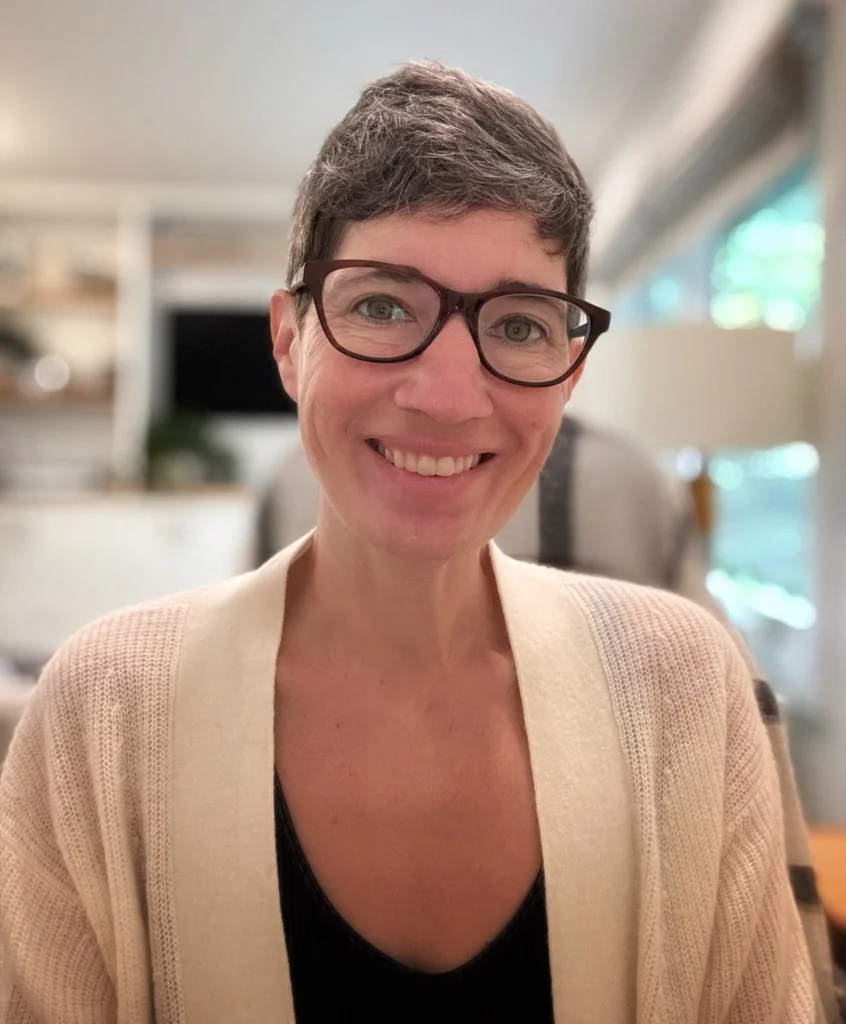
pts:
pixel 426 464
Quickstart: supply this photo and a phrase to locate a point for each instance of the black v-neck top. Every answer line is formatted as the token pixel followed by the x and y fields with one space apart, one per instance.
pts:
pixel 338 976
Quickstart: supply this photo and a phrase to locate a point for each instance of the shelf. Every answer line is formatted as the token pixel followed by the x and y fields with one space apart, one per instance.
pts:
pixel 265 253
pixel 74 397
pixel 55 405
pixel 64 302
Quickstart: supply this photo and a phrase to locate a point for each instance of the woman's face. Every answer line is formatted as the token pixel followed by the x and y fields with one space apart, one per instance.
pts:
pixel 440 404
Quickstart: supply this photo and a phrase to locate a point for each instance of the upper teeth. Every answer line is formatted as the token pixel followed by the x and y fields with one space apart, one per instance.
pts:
pixel 428 465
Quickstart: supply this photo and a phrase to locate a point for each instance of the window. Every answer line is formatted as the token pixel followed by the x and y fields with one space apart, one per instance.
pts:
pixel 764 269
pixel 767 269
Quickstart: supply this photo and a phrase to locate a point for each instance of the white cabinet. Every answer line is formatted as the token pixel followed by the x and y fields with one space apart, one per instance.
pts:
pixel 65 562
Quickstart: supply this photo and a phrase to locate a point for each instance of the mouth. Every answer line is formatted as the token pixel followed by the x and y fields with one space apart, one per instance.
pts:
pixel 429 465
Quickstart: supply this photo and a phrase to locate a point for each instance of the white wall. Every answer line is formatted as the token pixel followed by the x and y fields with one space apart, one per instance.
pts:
pixel 56 435
pixel 66 562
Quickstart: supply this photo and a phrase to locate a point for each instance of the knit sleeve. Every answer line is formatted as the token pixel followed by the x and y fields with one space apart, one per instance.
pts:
pixel 52 970
pixel 52 933
pixel 759 970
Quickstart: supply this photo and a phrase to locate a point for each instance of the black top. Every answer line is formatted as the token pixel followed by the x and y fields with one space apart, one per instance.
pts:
pixel 338 976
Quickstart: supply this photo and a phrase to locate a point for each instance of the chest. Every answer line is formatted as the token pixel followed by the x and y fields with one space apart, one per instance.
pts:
pixel 415 808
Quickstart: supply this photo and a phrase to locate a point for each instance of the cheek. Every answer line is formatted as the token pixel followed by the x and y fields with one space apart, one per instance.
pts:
pixel 311 344
pixel 314 364
pixel 334 389
pixel 311 372
pixel 541 419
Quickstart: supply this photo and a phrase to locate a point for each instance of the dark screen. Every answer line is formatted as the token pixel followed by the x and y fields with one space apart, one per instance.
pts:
pixel 221 361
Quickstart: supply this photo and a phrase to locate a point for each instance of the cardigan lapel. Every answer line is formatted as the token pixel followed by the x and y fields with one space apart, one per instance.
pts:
pixel 582 795
pixel 230 940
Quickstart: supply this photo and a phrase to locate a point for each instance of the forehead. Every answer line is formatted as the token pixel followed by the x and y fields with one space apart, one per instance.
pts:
pixel 469 253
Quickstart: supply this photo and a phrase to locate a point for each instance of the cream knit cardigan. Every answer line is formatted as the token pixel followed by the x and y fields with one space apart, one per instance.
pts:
pixel 138 875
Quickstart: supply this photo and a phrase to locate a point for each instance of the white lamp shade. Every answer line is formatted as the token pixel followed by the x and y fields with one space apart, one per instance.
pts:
pixel 696 385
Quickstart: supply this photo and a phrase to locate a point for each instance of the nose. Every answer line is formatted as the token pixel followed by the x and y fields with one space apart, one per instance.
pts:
pixel 447 381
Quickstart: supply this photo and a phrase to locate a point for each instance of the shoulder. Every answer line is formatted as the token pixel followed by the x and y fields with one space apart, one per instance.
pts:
pixel 647 639
pixel 120 661
pixel 84 738
pixel 128 640
pixel 84 730
pixel 670 663
pixel 679 682
pixel 611 601
pixel 126 664
pixel 102 709
pixel 123 663
pixel 655 627
pixel 650 611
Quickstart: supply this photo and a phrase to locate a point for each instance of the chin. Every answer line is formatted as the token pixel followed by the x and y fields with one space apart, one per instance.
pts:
pixel 420 518
pixel 429 540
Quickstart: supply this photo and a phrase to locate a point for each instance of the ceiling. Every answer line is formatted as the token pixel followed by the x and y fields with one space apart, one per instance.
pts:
pixel 184 91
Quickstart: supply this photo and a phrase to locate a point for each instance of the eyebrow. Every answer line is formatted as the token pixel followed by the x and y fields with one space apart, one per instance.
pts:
pixel 502 283
pixel 400 276
pixel 513 282
pixel 381 273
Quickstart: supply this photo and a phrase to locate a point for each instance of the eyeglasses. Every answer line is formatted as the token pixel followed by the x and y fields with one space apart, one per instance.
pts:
pixel 383 313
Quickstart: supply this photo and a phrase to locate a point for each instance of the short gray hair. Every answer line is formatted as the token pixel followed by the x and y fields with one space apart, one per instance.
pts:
pixel 432 139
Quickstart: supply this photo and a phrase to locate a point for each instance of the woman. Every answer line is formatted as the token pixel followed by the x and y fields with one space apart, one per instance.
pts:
pixel 482 790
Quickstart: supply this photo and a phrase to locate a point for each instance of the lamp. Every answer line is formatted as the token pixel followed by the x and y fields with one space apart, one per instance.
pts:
pixel 698 386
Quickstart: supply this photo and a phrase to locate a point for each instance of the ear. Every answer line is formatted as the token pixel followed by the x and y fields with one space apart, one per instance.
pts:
pixel 283 330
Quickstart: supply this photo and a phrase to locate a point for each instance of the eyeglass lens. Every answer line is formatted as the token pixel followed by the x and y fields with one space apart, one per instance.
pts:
pixel 384 314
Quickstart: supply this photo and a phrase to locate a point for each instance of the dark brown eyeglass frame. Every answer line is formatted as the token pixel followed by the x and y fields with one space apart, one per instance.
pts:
pixel 468 304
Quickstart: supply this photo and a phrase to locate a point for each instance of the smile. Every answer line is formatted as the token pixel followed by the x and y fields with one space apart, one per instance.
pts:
pixel 428 465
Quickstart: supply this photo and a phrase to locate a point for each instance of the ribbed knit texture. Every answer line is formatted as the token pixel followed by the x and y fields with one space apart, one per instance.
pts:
pixel 737 956
pixel 85 873
pixel 89 918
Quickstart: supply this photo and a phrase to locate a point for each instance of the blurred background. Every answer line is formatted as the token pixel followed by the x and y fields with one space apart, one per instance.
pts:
pixel 149 155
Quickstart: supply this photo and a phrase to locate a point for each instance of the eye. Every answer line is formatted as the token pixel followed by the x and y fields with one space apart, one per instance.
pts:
pixel 382 308
pixel 517 330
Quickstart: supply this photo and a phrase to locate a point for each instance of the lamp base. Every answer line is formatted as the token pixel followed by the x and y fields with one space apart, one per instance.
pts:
pixel 702 490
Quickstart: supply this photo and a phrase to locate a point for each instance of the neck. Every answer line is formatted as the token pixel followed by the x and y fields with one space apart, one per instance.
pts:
pixel 398 613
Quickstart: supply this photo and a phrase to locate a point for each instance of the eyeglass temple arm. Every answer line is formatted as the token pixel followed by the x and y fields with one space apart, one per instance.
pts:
pixel 298 284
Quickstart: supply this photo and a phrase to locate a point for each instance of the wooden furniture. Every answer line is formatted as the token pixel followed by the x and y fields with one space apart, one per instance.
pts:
pixel 828 852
